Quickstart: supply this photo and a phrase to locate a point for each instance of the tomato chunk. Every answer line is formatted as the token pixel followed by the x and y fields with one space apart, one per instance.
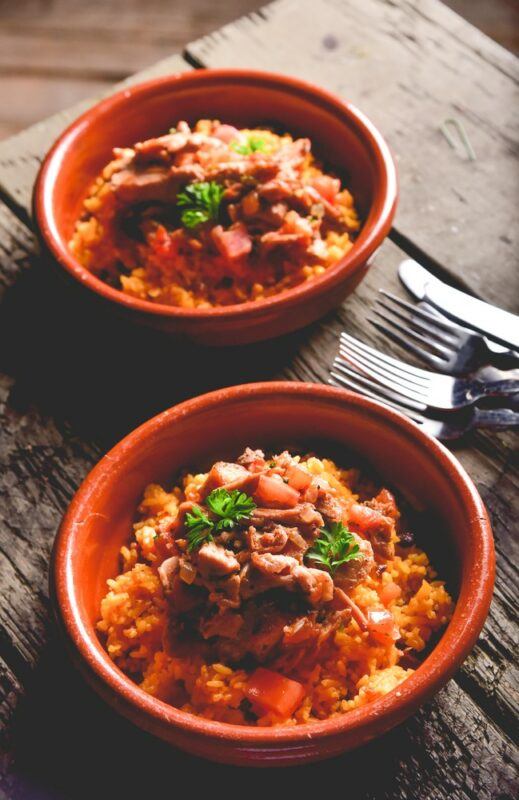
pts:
pixel 269 691
pixel 273 493
pixel 327 187
pixel 298 478
pixel 381 626
pixel 389 592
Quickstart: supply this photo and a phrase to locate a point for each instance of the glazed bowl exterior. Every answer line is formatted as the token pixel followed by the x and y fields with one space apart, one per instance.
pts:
pixel 341 135
pixel 217 425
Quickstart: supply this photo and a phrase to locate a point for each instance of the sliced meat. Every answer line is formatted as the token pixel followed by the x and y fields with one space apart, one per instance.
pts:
pixel 213 560
pixel 385 503
pixel 153 184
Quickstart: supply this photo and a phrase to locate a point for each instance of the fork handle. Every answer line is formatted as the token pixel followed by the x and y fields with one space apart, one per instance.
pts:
pixel 502 388
pixel 503 359
pixel 495 418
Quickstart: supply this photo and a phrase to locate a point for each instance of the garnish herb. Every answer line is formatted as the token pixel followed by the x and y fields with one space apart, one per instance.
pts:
pixel 253 145
pixel 335 547
pixel 199 528
pixel 228 507
pixel 201 203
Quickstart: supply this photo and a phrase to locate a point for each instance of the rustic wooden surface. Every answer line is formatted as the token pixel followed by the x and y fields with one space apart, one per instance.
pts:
pixel 68 392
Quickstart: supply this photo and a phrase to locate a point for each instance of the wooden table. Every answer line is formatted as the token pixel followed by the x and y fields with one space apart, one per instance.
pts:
pixel 69 391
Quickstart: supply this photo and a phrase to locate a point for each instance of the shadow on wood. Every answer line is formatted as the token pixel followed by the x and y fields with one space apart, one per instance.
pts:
pixel 103 375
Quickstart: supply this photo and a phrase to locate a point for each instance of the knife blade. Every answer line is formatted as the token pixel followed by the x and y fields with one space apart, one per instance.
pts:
pixel 489 320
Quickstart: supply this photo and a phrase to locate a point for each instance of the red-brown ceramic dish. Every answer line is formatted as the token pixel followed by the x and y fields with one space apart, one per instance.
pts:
pixel 209 427
pixel 340 134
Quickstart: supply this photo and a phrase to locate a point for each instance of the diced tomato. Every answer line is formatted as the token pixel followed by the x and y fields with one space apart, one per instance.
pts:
pixel 233 243
pixel 273 493
pixel 327 187
pixel 269 691
pixel 298 478
pixel 381 626
pixel 389 592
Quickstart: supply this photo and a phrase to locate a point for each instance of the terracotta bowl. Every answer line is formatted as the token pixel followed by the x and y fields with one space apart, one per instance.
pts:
pixel 340 133
pixel 197 432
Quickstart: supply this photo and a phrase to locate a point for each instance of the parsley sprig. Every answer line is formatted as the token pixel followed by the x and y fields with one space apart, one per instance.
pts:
pixel 198 527
pixel 335 547
pixel 229 508
pixel 253 144
pixel 200 202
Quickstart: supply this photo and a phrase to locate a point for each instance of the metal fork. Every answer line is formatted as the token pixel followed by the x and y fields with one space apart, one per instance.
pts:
pixel 414 387
pixel 448 347
pixel 453 426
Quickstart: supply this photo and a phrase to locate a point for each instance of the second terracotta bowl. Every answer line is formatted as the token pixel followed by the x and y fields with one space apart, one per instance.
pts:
pixel 341 136
pixel 272 415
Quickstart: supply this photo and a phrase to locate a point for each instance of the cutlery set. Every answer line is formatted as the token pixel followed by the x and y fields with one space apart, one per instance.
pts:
pixel 472 346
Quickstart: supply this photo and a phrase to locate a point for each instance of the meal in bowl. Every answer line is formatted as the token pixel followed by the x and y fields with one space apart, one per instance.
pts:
pixel 271 591
pixel 213 216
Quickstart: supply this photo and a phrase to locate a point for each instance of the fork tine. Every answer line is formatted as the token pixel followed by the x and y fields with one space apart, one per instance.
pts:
pixel 386 378
pixel 418 325
pixel 436 361
pixel 415 373
pixel 448 326
pixel 379 388
pixel 340 380
pixel 440 349
pixel 384 364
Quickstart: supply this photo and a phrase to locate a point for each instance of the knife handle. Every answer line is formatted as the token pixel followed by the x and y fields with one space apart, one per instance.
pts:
pixel 502 388
pixel 495 418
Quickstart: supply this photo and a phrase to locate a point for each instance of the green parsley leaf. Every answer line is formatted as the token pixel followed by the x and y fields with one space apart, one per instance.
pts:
pixel 253 145
pixel 201 203
pixel 335 547
pixel 230 507
pixel 199 528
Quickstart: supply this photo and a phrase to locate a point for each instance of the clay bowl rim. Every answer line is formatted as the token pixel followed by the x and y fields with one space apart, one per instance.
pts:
pixel 455 644
pixel 385 194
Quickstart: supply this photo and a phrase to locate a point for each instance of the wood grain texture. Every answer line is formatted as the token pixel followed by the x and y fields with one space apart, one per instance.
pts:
pixel 55 424
pixel 410 66
pixel 68 391
pixel 21 155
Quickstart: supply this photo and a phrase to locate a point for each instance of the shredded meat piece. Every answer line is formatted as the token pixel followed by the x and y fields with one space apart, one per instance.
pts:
pixel 167 571
pixel 303 515
pixel 353 572
pixel 226 624
pixel 213 560
pixel 154 184
pixel 329 506
pixel 271 541
pixel 250 457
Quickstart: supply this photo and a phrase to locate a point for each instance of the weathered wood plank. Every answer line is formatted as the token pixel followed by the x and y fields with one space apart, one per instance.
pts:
pixel 21 156
pixel 410 66
pixel 68 398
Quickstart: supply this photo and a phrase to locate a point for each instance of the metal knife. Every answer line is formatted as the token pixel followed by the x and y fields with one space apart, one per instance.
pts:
pixel 489 320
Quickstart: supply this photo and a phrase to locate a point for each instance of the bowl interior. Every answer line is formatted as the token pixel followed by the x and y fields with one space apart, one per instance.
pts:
pixel 408 463
pixel 339 137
